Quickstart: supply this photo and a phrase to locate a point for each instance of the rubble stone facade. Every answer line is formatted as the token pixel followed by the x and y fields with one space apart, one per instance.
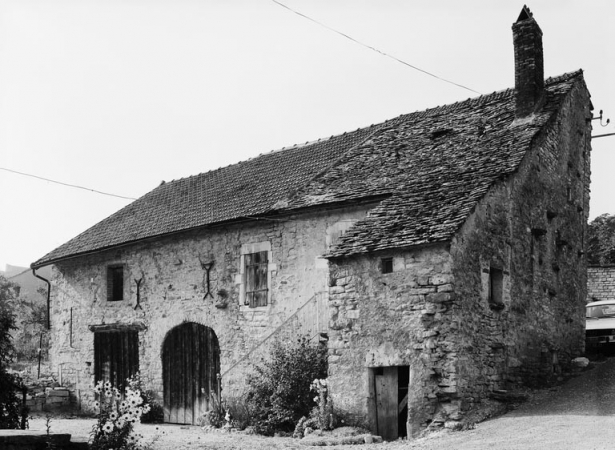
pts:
pixel 172 289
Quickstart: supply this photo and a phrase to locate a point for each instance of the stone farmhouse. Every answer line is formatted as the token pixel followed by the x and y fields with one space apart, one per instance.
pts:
pixel 439 255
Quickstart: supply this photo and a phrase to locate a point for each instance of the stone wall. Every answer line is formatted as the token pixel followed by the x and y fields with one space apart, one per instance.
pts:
pixel 392 319
pixel 600 283
pixel 173 287
pixel 532 227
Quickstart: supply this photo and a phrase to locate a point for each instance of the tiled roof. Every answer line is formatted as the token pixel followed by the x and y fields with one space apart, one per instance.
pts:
pixel 435 165
pixel 439 162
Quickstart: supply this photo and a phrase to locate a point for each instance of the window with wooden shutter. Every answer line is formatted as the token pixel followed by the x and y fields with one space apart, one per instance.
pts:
pixel 115 283
pixel 256 279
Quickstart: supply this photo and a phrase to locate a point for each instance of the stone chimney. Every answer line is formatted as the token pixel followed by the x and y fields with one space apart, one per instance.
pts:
pixel 529 67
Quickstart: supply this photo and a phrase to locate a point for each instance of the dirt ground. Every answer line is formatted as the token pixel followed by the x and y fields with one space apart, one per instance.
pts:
pixel 579 415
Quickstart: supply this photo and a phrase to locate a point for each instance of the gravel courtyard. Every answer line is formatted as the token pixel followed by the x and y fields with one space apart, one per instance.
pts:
pixel 578 415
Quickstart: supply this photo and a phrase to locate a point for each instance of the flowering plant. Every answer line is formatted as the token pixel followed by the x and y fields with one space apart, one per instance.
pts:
pixel 117 415
pixel 155 413
pixel 324 409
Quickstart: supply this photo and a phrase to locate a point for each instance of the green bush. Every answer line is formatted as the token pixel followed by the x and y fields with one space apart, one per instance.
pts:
pixel 279 389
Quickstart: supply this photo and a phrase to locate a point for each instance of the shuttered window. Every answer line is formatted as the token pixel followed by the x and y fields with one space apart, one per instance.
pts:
pixel 116 356
pixel 115 283
pixel 256 279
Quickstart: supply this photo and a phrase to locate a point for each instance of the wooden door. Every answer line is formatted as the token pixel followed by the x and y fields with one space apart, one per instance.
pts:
pixel 116 356
pixel 386 403
pixel 190 367
pixel 391 390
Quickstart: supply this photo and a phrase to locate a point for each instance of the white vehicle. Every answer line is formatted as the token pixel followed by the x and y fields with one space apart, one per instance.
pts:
pixel 599 324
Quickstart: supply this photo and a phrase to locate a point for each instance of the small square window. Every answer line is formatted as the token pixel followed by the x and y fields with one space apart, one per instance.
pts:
pixel 386 265
pixel 115 283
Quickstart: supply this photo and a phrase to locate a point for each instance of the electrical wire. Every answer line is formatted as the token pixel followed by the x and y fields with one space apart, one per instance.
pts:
pixel 374 49
pixel 65 184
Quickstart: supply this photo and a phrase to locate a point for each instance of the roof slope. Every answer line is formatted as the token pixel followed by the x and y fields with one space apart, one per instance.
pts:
pixel 446 159
pixel 436 164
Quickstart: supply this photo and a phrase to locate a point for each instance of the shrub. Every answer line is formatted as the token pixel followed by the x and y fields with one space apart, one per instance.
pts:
pixel 323 412
pixel 279 389
pixel 239 412
pixel 216 415
pixel 12 414
pixel 321 417
pixel 31 339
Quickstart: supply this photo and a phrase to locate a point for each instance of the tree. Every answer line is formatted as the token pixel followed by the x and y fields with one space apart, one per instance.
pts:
pixel 601 240
pixel 10 406
pixel 30 311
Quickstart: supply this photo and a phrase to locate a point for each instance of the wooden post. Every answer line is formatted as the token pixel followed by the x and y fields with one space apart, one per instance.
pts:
pixel 413 425
pixel 24 414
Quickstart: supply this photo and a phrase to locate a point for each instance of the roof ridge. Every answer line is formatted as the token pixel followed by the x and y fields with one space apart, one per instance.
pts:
pixel 470 101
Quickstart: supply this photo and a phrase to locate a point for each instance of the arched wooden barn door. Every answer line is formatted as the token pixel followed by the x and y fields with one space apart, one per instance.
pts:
pixel 190 365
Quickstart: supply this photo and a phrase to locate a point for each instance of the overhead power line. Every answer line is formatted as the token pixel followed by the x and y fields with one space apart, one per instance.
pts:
pixel 65 184
pixel 374 48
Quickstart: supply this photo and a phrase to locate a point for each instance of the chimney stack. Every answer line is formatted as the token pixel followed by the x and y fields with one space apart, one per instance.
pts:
pixel 529 67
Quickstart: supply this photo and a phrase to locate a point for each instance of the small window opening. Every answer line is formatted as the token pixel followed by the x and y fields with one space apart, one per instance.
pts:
pixel 115 283
pixel 496 288
pixel 386 265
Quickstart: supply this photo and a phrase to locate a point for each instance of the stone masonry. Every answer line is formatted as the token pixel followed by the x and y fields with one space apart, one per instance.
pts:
pixel 600 283
pixel 172 292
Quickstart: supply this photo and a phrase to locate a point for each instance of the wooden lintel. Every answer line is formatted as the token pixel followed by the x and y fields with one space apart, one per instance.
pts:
pixel 138 326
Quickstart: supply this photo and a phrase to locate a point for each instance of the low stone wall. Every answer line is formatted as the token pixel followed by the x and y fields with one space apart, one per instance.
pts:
pixel 50 399
pixel 46 394
pixel 35 440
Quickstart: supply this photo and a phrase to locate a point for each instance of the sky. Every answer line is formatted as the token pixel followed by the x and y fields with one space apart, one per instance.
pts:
pixel 116 96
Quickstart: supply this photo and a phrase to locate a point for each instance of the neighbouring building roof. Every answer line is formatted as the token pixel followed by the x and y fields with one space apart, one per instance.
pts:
pixel 433 165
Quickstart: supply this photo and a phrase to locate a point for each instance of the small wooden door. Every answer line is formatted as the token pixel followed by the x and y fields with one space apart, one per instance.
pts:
pixel 391 389
pixel 190 367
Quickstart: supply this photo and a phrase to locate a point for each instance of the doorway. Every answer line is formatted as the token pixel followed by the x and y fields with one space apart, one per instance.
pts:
pixel 190 368
pixel 389 387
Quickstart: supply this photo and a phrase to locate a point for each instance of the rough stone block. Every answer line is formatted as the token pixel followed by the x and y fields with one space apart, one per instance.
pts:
pixel 437 280
pixel 336 290
pixel 58 393
pixel 440 297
